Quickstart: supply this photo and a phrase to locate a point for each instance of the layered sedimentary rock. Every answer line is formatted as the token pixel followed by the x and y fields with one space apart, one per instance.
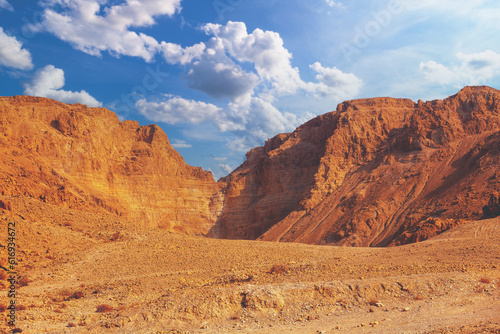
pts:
pixel 85 158
pixel 375 172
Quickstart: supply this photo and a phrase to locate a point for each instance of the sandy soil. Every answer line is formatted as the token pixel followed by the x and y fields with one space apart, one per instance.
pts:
pixel 153 281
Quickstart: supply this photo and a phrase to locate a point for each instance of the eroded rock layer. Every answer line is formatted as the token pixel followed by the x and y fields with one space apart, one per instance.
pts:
pixel 375 172
pixel 85 158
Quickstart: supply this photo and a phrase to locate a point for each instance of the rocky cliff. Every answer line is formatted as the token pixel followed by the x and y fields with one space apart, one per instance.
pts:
pixel 85 158
pixel 375 172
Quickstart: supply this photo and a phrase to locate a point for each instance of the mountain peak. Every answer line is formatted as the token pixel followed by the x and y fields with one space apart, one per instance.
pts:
pixel 372 173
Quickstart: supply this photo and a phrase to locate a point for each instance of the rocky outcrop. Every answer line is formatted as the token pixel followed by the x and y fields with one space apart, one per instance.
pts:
pixel 375 172
pixel 85 158
pixel 492 209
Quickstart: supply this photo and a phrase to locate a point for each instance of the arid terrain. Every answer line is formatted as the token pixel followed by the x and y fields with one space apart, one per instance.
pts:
pixel 154 281
pixel 115 233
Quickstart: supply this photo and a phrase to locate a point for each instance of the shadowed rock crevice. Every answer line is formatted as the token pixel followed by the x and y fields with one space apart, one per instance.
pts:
pixel 492 210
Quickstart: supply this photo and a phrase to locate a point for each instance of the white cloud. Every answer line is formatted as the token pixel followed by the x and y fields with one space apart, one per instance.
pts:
pixel 438 73
pixel 262 48
pixel 251 123
pixel 334 83
pixel 474 69
pixel 175 54
pixel 176 110
pixel 272 63
pixel 211 70
pixel 240 144
pixel 216 68
pixel 264 120
pixel 12 53
pixel 5 5
pixel 332 3
pixel 177 143
pixel 48 81
pixel 221 170
pixel 81 24
pixel 261 121
pixel 486 63
pixel 221 79
pixel 226 168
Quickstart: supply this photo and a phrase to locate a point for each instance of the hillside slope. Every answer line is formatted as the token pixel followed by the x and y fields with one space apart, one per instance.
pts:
pixel 85 158
pixel 375 172
pixel 153 281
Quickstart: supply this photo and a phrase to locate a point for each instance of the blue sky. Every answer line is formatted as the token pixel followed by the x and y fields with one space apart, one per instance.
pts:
pixel 223 76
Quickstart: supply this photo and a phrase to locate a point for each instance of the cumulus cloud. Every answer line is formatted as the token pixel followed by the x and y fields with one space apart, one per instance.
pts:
pixel 221 170
pixel 5 5
pixel 176 110
pixel 177 143
pixel 438 72
pixel 12 53
pixel 214 67
pixel 211 70
pixel 48 81
pixel 221 79
pixel 251 123
pixel 176 54
pixel 334 83
pixel 81 24
pixel 251 70
pixel 226 168
pixel 332 3
pixel 264 49
pixel 261 120
pixel 474 69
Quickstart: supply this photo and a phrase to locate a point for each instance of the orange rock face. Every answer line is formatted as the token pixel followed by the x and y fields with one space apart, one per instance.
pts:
pixel 375 172
pixel 85 158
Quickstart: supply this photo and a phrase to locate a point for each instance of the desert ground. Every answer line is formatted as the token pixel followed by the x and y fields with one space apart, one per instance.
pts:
pixel 92 272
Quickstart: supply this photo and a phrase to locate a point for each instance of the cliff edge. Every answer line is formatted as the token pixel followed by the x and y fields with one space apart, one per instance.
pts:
pixel 86 158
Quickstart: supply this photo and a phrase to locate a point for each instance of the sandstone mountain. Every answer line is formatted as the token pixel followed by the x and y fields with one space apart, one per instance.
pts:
pixel 92 202
pixel 85 158
pixel 375 172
